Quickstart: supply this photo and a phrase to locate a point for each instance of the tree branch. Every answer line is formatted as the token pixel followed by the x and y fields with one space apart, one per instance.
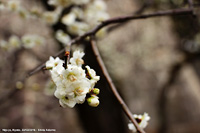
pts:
pixel 146 4
pixel 113 88
pixel 120 19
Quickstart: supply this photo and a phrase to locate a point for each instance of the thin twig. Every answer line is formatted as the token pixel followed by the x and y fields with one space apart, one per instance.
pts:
pixel 42 66
pixel 138 12
pixel 113 88
pixel 120 19
pixel 67 56
pixel 133 17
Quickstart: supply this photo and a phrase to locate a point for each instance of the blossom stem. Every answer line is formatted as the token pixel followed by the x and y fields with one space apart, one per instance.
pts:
pixel 66 57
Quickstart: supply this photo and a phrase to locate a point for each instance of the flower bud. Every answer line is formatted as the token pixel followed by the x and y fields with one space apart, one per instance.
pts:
pixel 95 91
pixel 93 101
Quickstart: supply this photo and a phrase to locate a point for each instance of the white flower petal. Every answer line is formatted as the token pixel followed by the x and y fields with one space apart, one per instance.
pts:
pixel 143 121
pixel 70 103
pixel 93 101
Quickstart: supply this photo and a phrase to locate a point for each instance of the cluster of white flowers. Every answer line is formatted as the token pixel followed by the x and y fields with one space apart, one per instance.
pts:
pixel 62 37
pixel 81 19
pixel 15 6
pixel 49 17
pixel 26 41
pixel 73 83
pixel 142 122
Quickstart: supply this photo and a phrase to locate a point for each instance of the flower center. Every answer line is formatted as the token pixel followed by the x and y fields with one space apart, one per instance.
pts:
pixel 71 77
pixel 78 91
pixel 138 120
pixel 79 61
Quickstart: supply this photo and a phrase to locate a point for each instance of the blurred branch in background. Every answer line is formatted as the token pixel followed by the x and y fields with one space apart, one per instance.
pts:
pixel 120 19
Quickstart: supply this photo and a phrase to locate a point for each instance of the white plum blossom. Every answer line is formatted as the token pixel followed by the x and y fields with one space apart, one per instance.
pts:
pixel 142 121
pixel 23 13
pixel 96 12
pixel 99 5
pixel 83 15
pixel 92 75
pixel 77 58
pixel 51 17
pixel 4 44
pixel 69 19
pixel 67 102
pixel 27 41
pixel 78 28
pixel 78 12
pixel 62 37
pixel 72 83
pixel 13 5
pixel 80 20
pixel 93 101
pixel 53 62
pixel 31 40
pixel 55 74
pixel 2 7
pixel 14 41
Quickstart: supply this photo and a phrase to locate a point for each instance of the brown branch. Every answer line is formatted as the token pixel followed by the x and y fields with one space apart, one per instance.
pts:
pixel 113 88
pixel 138 12
pixel 133 17
pixel 42 66
pixel 67 56
pixel 115 21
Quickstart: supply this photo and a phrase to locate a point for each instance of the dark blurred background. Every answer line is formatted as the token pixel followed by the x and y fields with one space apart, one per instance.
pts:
pixel 155 64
